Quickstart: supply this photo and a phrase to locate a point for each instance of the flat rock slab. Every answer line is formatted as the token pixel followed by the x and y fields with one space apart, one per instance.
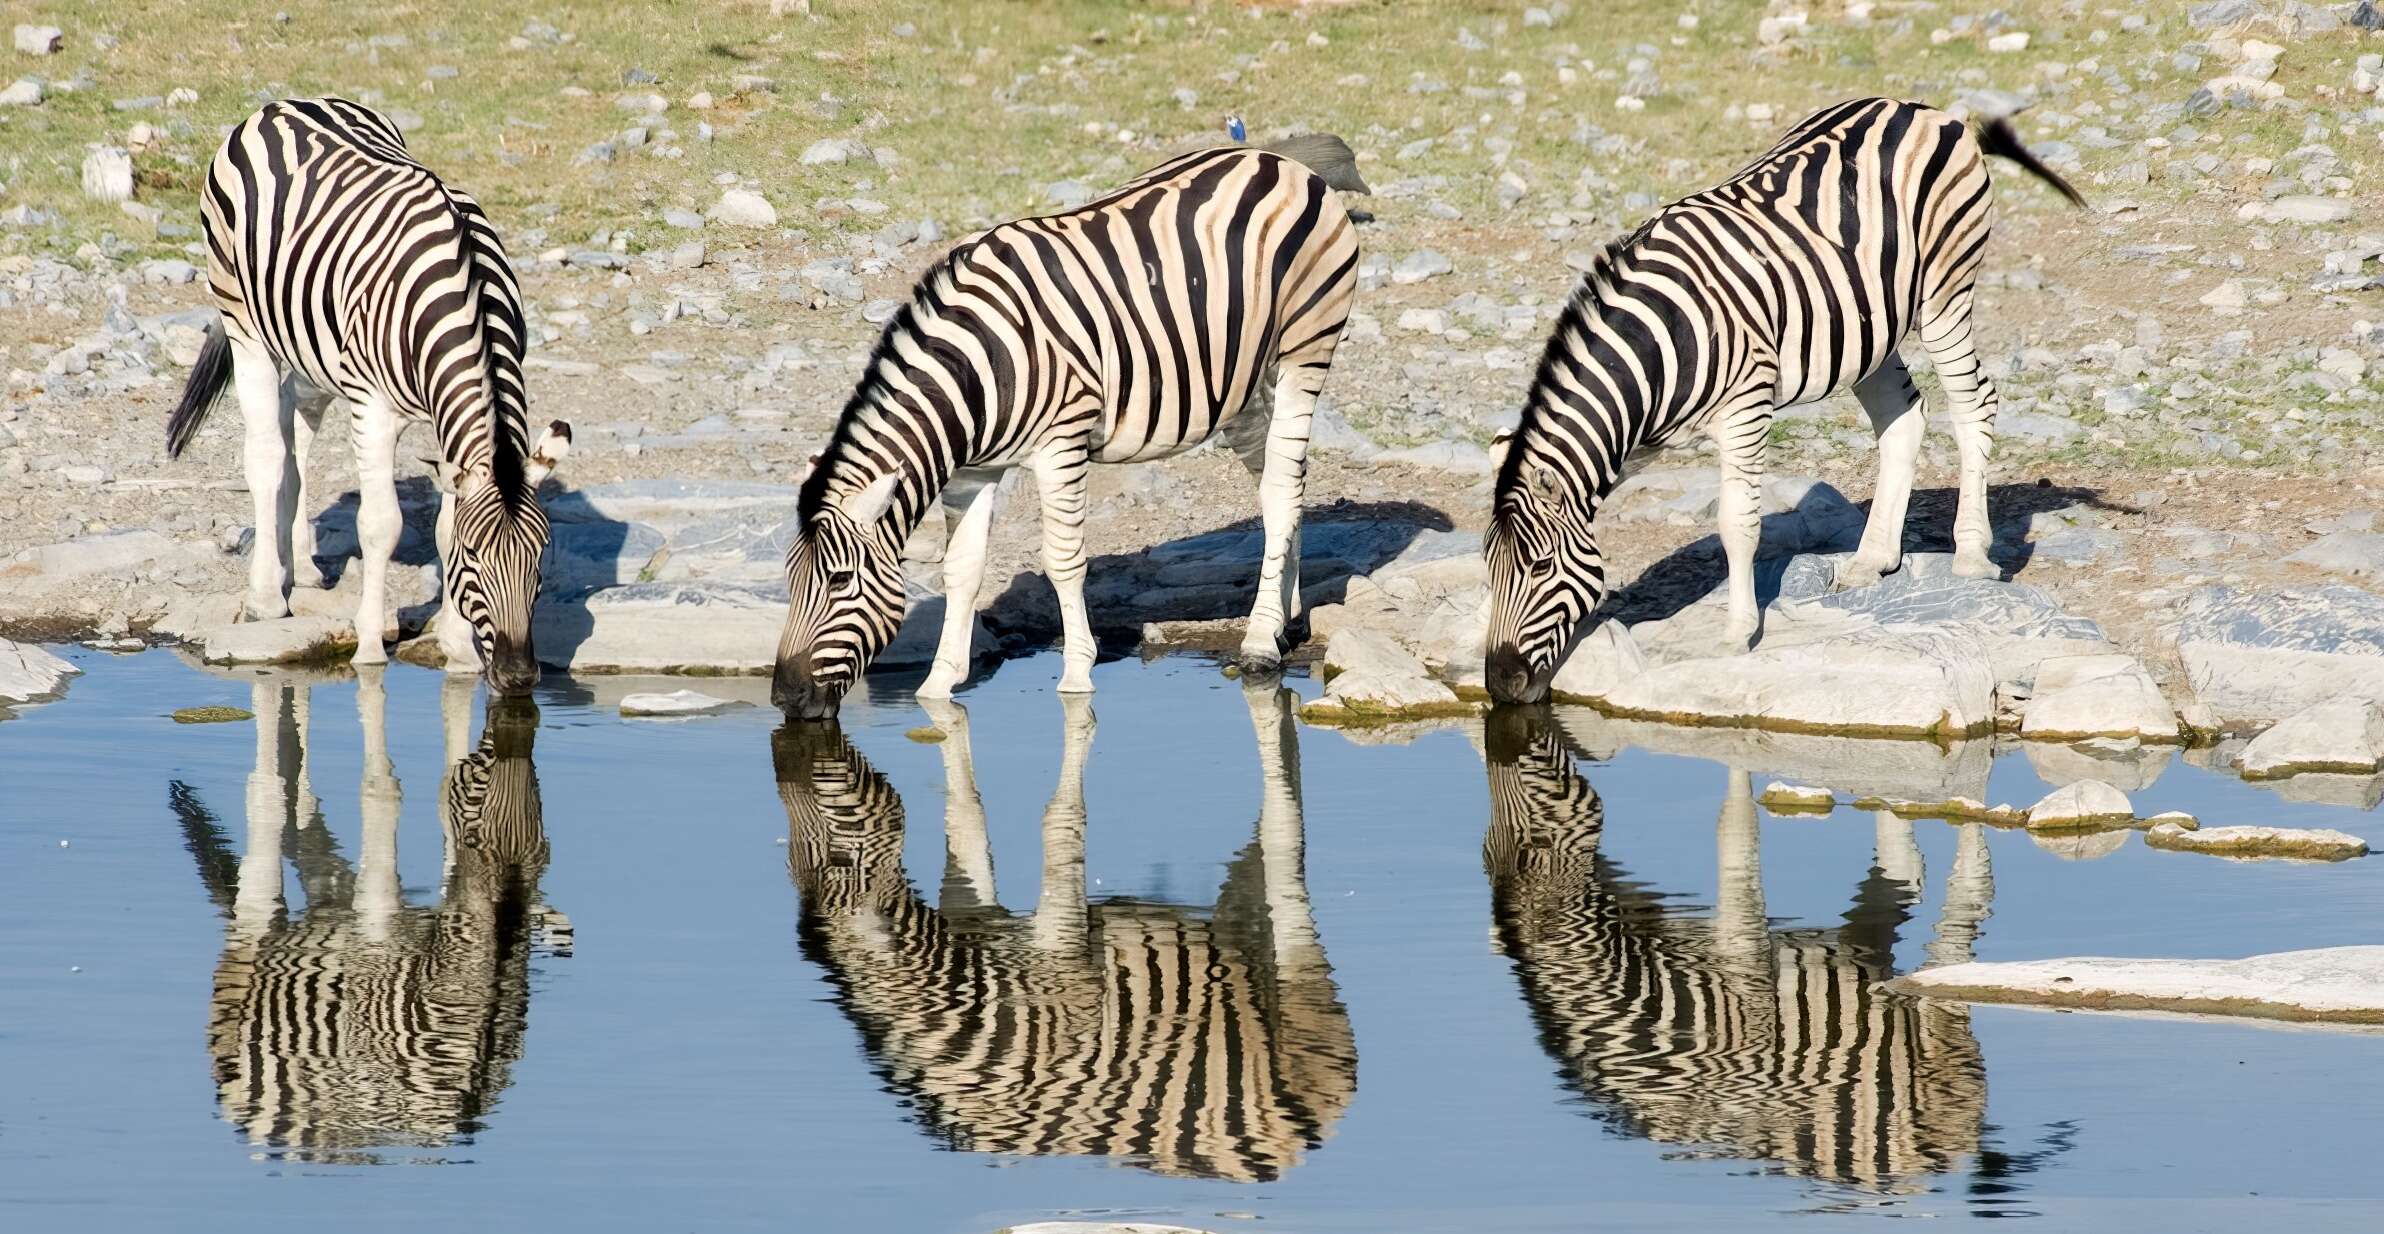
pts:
pixel 670 504
pixel 285 640
pixel 28 673
pixel 2096 696
pixel 700 629
pixel 2087 805
pixel 2285 843
pixel 1880 681
pixel 1371 677
pixel 678 703
pixel 2263 655
pixel 2343 985
pixel 2344 736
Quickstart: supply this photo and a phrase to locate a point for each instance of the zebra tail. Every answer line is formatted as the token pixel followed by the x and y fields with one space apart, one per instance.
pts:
pixel 1996 137
pixel 1326 155
pixel 207 380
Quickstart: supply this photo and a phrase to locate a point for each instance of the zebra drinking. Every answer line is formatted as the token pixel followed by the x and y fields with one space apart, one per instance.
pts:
pixel 334 255
pixel 1792 280
pixel 1209 1044
pixel 1727 1035
pixel 1131 329
pixel 365 1023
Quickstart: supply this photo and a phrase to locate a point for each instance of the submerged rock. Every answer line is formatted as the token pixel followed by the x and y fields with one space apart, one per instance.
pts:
pixel 2263 655
pixel 28 673
pixel 2088 805
pixel 1780 795
pixel 2343 736
pixel 2330 985
pixel 2289 843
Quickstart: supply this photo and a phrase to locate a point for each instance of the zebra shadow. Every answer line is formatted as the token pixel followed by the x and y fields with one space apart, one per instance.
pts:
pixel 1725 1035
pixel 1082 1027
pixel 1213 575
pixel 1692 572
pixel 362 1023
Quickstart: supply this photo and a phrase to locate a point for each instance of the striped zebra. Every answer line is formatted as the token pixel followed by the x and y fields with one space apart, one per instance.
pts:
pixel 1791 280
pixel 1193 1044
pixel 1130 329
pixel 365 1023
pixel 1723 1034
pixel 334 255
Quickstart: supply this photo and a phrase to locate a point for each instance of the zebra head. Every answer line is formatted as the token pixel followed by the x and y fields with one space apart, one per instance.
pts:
pixel 844 826
pixel 1546 575
pixel 493 535
pixel 845 599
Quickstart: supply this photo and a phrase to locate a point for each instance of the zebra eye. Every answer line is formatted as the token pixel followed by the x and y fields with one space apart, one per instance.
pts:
pixel 841 580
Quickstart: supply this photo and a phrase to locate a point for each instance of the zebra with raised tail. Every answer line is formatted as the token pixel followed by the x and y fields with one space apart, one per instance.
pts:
pixel 1792 280
pixel 1131 329
pixel 334 255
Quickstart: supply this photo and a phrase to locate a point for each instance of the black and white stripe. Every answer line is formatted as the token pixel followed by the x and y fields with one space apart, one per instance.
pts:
pixel 366 1023
pixel 1723 1034
pixel 1794 279
pixel 338 259
pixel 1203 1043
pixel 1130 329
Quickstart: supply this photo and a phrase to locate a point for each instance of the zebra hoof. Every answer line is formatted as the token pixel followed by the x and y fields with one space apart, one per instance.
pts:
pixel 1976 565
pixel 1854 574
pixel 253 611
pixel 1259 664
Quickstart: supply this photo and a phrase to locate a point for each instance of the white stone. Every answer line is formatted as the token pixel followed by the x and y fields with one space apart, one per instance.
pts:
pixel 2097 695
pixel 1370 674
pixel 2344 735
pixel 39 40
pixel 1878 680
pixel 2303 208
pixel 24 92
pixel 27 672
pixel 2263 655
pixel 2337 984
pixel 2227 295
pixel 1599 665
pixel 2016 40
pixel 662 628
pixel 283 640
pixel 744 208
pixel 107 174
pixel 678 703
pixel 2084 805
pixel 1779 794
pixel 2248 843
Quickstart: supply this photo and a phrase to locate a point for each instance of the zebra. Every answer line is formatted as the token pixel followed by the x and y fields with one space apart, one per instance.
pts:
pixel 1194 1044
pixel 1724 1034
pixel 333 254
pixel 1791 280
pixel 1130 329
pixel 365 1023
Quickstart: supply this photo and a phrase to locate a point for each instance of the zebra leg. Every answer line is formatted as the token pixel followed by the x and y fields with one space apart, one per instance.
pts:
pixel 968 856
pixel 1282 482
pixel 1971 401
pixel 1740 928
pixel 378 898
pixel 1060 904
pixel 257 896
pixel 968 522
pixel 1059 476
pixel 266 453
pixel 307 420
pixel 1282 829
pixel 1742 436
pixel 1897 417
pixel 378 522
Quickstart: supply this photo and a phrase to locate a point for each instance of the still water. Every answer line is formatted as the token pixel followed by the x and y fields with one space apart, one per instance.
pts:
pixel 378 958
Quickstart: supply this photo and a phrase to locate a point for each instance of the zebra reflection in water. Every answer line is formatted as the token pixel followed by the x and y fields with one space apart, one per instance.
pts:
pixel 1201 1043
pixel 364 1022
pixel 1726 1035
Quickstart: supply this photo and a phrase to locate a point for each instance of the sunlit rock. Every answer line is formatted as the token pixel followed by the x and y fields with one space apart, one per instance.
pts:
pixel 2263 655
pixel 2334 984
pixel 2344 736
pixel 28 673
pixel 2294 843
pixel 2096 696
pixel 2088 805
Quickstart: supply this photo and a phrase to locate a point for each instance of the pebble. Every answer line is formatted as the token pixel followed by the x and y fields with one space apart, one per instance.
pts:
pixel 107 174
pixel 24 92
pixel 39 40
pixel 744 208
pixel 1420 265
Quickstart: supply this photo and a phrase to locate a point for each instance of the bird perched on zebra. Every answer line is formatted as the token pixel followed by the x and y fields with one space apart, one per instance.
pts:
pixel 1721 1033
pixel 1133 328
pixel 1793 279
pixel 1204 1043
pixel 333 255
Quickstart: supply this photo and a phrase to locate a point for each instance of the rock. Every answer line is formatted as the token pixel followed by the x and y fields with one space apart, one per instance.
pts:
pixel 1067 194
pixel 688 256
pixel 24 92
pixel 28 673
pixel 2126 764
pixel 2343 736
pixel 1851 767
pixel 744 208
pixel 678 703
pixel 2227 295
pixel 833 150
pixel 285 640
pixel 2088 805
pixel 581 555
pixel 2359 554
pixel 1864 680
pixel 2016 40
pixel 107 174
pixel 2079 845
pixel 2096 695
pixel 2077 546
pixel 1368 675
pixel 2263 655
pixel 2289 843
pixel 662 628
pixel 1780 796
pixel 1420 265
pixel 1457 456
pixel 39 40
pixel 2334 984
pixel 2303 208
pixel 1600 665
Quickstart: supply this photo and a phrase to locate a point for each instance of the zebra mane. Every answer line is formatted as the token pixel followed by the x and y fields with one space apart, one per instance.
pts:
pixel 873 390
pixel 508 435
pixel 1588 296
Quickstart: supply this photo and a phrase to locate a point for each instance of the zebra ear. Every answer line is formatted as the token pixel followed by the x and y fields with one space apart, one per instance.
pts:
pixel 1542 482
pixel 809 465
pixel 1499 446
pixel 552 445
pixel 870 504
pixel 445 476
